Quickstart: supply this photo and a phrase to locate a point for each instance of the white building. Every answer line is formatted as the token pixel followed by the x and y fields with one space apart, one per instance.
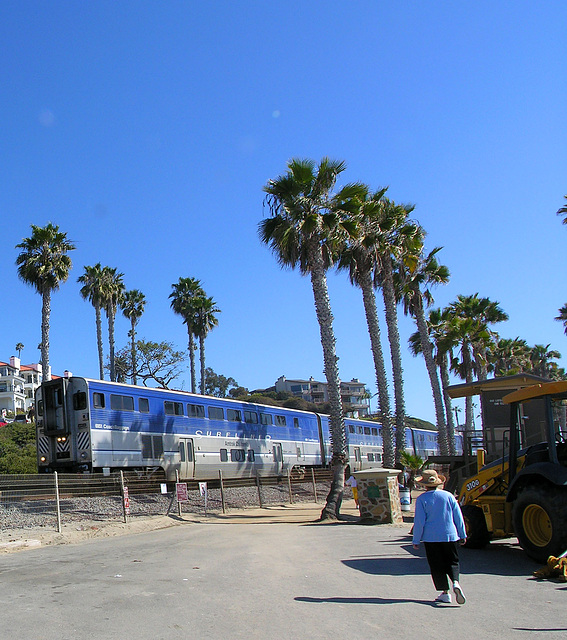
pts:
pixel 353 394
pixel 18 383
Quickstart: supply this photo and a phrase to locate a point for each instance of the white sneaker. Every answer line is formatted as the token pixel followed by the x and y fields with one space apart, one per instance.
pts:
pixel 459 595
pixel 444 597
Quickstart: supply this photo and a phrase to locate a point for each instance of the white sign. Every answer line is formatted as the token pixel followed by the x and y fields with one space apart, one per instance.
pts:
pixel 203 489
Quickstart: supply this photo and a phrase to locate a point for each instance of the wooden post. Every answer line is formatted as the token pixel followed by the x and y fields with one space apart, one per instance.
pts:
pixel 259 490
pixel 289 485
pixel 314 484
pixel 123 496
pixel 176 482
pixel 57 502
pixel 221 491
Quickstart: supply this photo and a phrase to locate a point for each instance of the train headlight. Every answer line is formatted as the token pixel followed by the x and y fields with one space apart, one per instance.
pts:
pixel 83 455
pixel 42 459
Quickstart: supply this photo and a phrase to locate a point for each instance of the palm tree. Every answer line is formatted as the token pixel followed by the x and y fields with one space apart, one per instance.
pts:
pixel 113 290
pixel 540 360
pixel 205 322
pixel 44 264
pixel 563 211
pixel 398 236
pixel 19 348
pixel 183 303
pixel 307 221
pixel 439 331
pixel 509 356
pixel 359 257
pixel 417 273
pixel 132 304
pixel 562 317
pixel 93 291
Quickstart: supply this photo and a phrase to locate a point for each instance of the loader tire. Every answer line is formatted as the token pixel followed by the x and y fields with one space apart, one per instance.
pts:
pixel 478 535
pixel 540 521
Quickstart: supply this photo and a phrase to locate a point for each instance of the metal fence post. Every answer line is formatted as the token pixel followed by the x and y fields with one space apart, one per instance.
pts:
pixel 221 490
pixel 289 486
pixel 58 506
pixel 314 484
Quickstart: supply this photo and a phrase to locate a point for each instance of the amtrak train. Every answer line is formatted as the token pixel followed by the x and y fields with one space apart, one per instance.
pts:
pixel 86 425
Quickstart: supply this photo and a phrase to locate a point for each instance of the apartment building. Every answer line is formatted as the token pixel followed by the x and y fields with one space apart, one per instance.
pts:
pixel 18 383
pixel 354 395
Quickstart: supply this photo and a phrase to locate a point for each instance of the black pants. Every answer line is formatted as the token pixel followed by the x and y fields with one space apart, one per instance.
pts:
pixel 443 559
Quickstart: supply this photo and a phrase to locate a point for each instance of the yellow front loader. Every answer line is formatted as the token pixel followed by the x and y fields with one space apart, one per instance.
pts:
pixel 524 492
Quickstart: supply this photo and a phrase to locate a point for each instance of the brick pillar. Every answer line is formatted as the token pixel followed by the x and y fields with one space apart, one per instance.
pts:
pixel 378 496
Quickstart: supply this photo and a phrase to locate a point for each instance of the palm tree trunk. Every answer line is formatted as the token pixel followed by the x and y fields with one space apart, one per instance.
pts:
pixel 191 347
pixel 202 356
pixel 427 351
pixel 390 310
pixel 99 341
pixel 444 369
pixel 45 317
pixel 369 300
pixel 467 361
pixel 336 427
pixel 110 312
pixel 133 351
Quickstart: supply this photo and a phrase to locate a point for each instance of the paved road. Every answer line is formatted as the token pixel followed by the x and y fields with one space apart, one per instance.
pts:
pixel 268 574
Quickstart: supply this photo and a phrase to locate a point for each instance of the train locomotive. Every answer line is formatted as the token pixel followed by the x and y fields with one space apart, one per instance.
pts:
pixel 86 425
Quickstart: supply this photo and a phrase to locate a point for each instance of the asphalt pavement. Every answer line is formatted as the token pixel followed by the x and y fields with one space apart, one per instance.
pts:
pixel 267 573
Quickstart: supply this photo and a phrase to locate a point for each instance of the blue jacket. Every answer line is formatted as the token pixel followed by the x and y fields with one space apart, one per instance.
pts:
pixel 438 518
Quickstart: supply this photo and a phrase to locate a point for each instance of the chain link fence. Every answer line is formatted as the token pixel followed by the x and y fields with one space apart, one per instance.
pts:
pixel 51 500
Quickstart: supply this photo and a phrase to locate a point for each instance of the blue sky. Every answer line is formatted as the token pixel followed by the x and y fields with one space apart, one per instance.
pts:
pixel 146 131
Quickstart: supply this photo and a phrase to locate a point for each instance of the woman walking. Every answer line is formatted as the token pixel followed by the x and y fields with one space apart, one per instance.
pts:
pixel 439 524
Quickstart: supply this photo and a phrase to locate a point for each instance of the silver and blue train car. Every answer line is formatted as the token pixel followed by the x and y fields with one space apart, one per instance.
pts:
pixel 93 425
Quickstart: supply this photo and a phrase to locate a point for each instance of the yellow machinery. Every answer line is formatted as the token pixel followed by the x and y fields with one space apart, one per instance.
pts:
pixel 524 492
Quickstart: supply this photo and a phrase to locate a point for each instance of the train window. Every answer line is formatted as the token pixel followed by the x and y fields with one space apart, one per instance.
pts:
pixel 223 455
pixel 350 428
pixel 251 455
pixel 281 421
pixel 196 410
pixel 40 408
pixel 182 451
pixel 359 430
pixel 237 455
pixel 374 431
pixel 234 415
pixel 366 431
pixel 146 446
pixel 173 408
pixel 143 405
pixel 216 413
pixel 158 446
pixel 296 423
pixel 266 418
pixel 79 401
pixel 98 400
pixel 121 403
pixel 251 417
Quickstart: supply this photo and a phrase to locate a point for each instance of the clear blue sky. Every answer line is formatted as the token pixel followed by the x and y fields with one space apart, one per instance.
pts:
pixel 147 129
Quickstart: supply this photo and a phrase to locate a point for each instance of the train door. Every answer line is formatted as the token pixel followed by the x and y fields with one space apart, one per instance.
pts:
pixel 278 457
pixel 357 459
pixel 187 454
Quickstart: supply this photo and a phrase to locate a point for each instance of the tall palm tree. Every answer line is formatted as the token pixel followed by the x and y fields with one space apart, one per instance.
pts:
pixel 509 356
pixel 93 291
pixel 540 359
pixel 19 348
pixel 183 303
pixel 132 304
pixel 359 257
pixel 438 326
pixel 44 264
pixel 205 321
pixel 307 220
pixel 394 244
pixel 417 274
pixel 113 290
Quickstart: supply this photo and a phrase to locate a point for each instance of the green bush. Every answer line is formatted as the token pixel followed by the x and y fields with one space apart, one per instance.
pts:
pixel 17 448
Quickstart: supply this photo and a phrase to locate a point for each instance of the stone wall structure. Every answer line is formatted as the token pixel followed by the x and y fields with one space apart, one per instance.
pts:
pixel 378 496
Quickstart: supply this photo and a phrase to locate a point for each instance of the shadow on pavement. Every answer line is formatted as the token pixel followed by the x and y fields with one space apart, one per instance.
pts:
pixel 337 600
